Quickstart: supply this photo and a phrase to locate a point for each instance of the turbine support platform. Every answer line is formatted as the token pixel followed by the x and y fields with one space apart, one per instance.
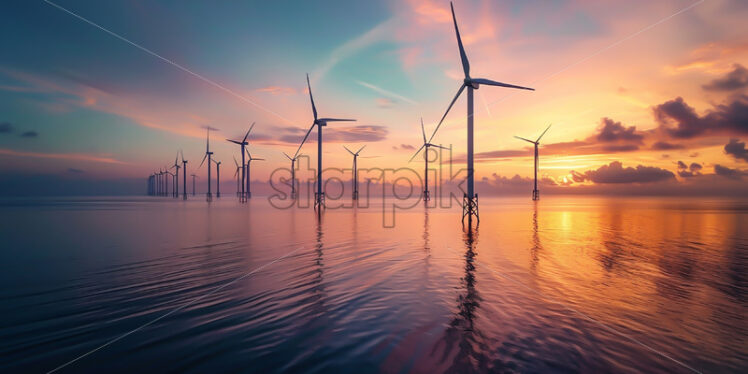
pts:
pixel 319 201
pixel 470 208
pixel 209 197
pixel 426 195
pixel 535 195
pixel 355 195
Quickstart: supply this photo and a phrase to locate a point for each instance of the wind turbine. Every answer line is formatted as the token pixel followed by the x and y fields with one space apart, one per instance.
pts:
pixel 293 173
pixel 218 178
pixel 355 170
pixel 319 196
pixel 168 174
pixel 243 144
pixel 193 184
pixel 535 192
pixel 249 161
pixel 208 155
pixel 176 176
pixel 184 176
pixel 470 199
pixel 425 147
pixel 236 175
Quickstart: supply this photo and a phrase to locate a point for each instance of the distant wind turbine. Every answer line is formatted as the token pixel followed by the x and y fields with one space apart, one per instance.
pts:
pixel 355 170
pixel 193 184
pixel 218 178
pixel 236 175
pixel 319 196
pixel 293 173
pixel 535 192
pixel 470 200
pixel 184 176
pixel 176 176
pixel 425 147
pixel 208 155
pixel 243 144
pixel 249 162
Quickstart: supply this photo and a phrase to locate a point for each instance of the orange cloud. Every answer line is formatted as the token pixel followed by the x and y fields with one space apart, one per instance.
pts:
pixel 62 156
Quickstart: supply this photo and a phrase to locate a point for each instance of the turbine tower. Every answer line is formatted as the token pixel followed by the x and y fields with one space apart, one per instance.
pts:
pixel 470 199
pixel 355 170
pixel 425 147
pixel 184 176
pixel 249 161
pixel 176 176
pixel 218 178
pixel 193 184
pixel 208 155
pixel 319 195
pixel 536 143
pixel 293 173
pixel 243 144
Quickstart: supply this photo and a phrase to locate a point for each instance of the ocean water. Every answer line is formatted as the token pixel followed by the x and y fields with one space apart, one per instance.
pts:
pixel 565 284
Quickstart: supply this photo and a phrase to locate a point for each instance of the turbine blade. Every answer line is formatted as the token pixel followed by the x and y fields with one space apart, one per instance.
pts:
pixel 234 141
pixel 462 87
pixel 463 56
pixel 207 141
pixel 495 83
pixel 349 151
pixel 527 140
pixel 176 158
pixel 287 156
pixel 258 159
pixel 360 149
pixel 235 162
pixel 248 131
pixel 309 85
pixel 201 162
pixel 182 153
pixel 423 131
pixel 336 120
pixel 237 171
pixel 305 137
pixel 437 146
pixel 546 130
pixel 417 152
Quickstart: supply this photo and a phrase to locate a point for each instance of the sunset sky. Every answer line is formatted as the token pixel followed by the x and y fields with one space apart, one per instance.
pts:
pixel 638 92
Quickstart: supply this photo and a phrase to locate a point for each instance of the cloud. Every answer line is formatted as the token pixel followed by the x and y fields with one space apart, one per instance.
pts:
pixel 278 90
pixel 734 80
pixel 736 149
pixel 615 173
pixel 729 173
pixel 63 156
pixel 679 120
pixel 612 131
pixel 75 171
pixel 685 171
pixel 384 102
pixel 30 134
pixel 334 134
pixel 5 128
pixel 665 146
pixel 404 147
